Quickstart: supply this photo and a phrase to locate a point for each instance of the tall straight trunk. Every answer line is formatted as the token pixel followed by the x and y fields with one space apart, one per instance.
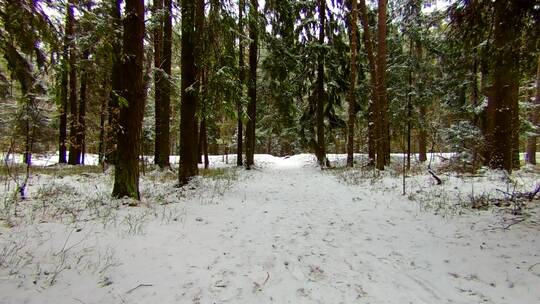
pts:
pixel 126 174
pixel 116 77
pixel 62 150
pixel 475 99
pixel 486 114
pixel 504 77
pixel 252 88
pixel 352 93
pixel 422 135
pixel 319 110
pixel 515 121
pixel 158 82
pixel 409 109
pixel 81 132
pixel 373 103
pixel 188 108
pixel 166 63
pixel 383 140
pixel 241 77
pixel 530 156
pixel 74 150
pixel 102 131
pixel 200 68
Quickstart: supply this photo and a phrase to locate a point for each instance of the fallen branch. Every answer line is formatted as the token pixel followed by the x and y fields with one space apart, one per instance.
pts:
pixel 140 285
pixel 513 223
pixel 439 181
pixel 522 195
pixel 533 265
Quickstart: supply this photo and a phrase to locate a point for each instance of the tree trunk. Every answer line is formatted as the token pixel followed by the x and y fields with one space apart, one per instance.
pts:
pixel 422 135
pixel 319 110
pixel 116 77
pixel 74 149
pixel 159 159
pixel 200 68
pixel 62 150
pixel 373 103
pixel 188 108
pixel 126 175
pixel 383 140
pixel 102 131
pixel 352 91
pixel 166 63
pixel 530 156
pixel 504 77
pixel 81 134
pixel 252 88
pixel 241 77
pixel 515 121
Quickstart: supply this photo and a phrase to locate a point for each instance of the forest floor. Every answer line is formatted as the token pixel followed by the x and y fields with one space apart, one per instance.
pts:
pixel 285 232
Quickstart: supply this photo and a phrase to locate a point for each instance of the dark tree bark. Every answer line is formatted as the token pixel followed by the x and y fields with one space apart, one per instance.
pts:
pixel 74 149
pixel 530 156
pixel 241 77
pixel 159 159
pixel 505 75
pixel 110 145
pixel 188 109
pixel 352 93
pixel 515 120
pixel 373 111
pixel 422 136
pixel 200 68
pixel 409 109
pixel 383 140
pixel 320 150
pixel 102 131
pixel 252 87
pixel 165 141
pixel 62 149
pixel 81 131
pixel 126 175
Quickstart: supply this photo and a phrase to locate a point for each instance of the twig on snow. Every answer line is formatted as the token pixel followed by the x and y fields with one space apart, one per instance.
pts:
pixel 438 179
pixel 513 223
pixel 533 265
pixel 140 285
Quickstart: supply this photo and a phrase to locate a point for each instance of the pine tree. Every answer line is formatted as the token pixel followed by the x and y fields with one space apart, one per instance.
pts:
pixel 126 174
pixel 374 102
pixel 188 108
pixel 383 140
pixel 241 78
pixel 252 86
pixel 505 80
pixel 74 150
pixel 530 156
pixel 321 96
pixel 352 92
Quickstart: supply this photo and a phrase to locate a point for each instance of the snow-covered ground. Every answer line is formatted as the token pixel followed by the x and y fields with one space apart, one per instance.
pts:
pixel 285 232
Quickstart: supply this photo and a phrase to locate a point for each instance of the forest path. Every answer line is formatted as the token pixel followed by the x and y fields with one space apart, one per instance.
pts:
pixel 285 232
